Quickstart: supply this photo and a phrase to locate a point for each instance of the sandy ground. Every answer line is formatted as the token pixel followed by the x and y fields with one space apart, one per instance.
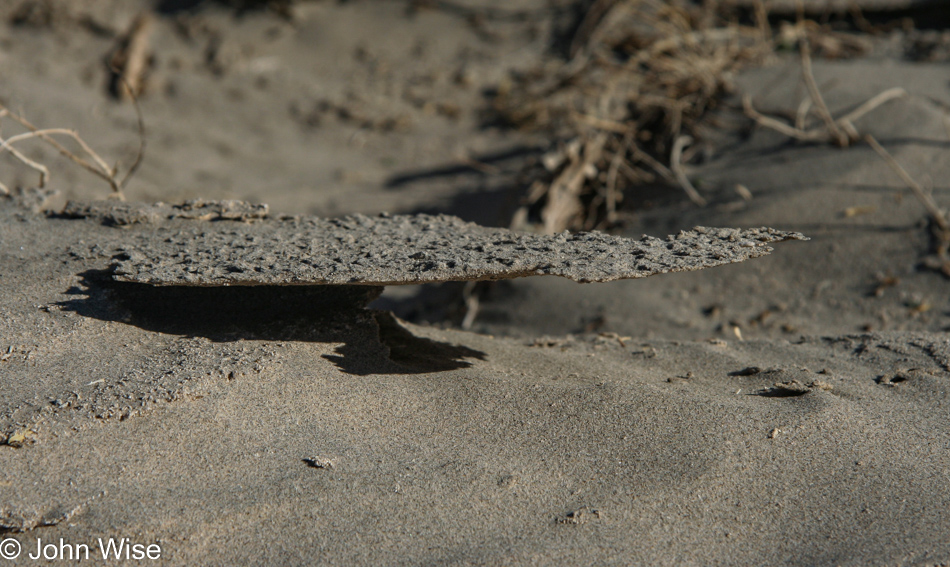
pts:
pixel 787 410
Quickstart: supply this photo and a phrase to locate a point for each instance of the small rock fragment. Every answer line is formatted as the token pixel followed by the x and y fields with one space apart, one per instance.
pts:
pixel 319 462
pixel 578 517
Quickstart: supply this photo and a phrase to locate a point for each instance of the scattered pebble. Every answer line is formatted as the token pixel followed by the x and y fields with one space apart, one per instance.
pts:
pixel 319 462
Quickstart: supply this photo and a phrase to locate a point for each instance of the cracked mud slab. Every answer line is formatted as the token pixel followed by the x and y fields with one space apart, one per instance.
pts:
pixel 397 250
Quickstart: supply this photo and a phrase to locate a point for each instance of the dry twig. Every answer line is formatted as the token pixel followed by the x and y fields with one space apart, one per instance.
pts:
pixel 940 260
pixel 99 168
pixel 675 163
pixel 471 296
pixel 563 204
pixel 642 75
pixel 836 133
pixel 840 132
pixel 923 196
pixel 94 164
pixel 130 59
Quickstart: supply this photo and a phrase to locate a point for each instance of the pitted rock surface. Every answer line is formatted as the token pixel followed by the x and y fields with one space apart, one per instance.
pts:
pixel 412 249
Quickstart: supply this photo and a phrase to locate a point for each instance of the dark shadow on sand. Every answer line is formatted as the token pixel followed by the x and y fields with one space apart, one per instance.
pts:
pixel 406 351
pixel 507 161
pixel 373 341
pixel 503 162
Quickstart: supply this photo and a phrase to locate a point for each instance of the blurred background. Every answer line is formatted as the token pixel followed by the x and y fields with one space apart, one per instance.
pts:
pixel 628 116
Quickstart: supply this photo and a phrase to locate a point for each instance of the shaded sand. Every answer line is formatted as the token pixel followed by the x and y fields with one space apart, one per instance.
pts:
pixel 345 437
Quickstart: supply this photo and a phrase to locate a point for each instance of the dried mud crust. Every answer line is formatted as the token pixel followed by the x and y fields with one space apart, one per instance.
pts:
pixel 396 250
pixel 124 214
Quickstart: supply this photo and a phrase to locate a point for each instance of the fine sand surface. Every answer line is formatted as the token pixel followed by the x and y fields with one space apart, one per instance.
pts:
pixel 787 410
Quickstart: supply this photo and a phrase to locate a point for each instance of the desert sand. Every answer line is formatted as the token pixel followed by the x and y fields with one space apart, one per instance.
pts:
pixel 790 409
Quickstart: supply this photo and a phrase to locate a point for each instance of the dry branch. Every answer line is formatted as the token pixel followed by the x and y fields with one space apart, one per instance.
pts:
pixel 923 196
pixel 840 131
pixel 676 157
pixel 94 164
pixel 642 75
pixel 940 260
pixel 836 133
pixel 100 168
pixel 130 60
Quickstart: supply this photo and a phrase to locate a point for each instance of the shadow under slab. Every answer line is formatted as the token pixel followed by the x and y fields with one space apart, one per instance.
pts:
pixel 371 341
